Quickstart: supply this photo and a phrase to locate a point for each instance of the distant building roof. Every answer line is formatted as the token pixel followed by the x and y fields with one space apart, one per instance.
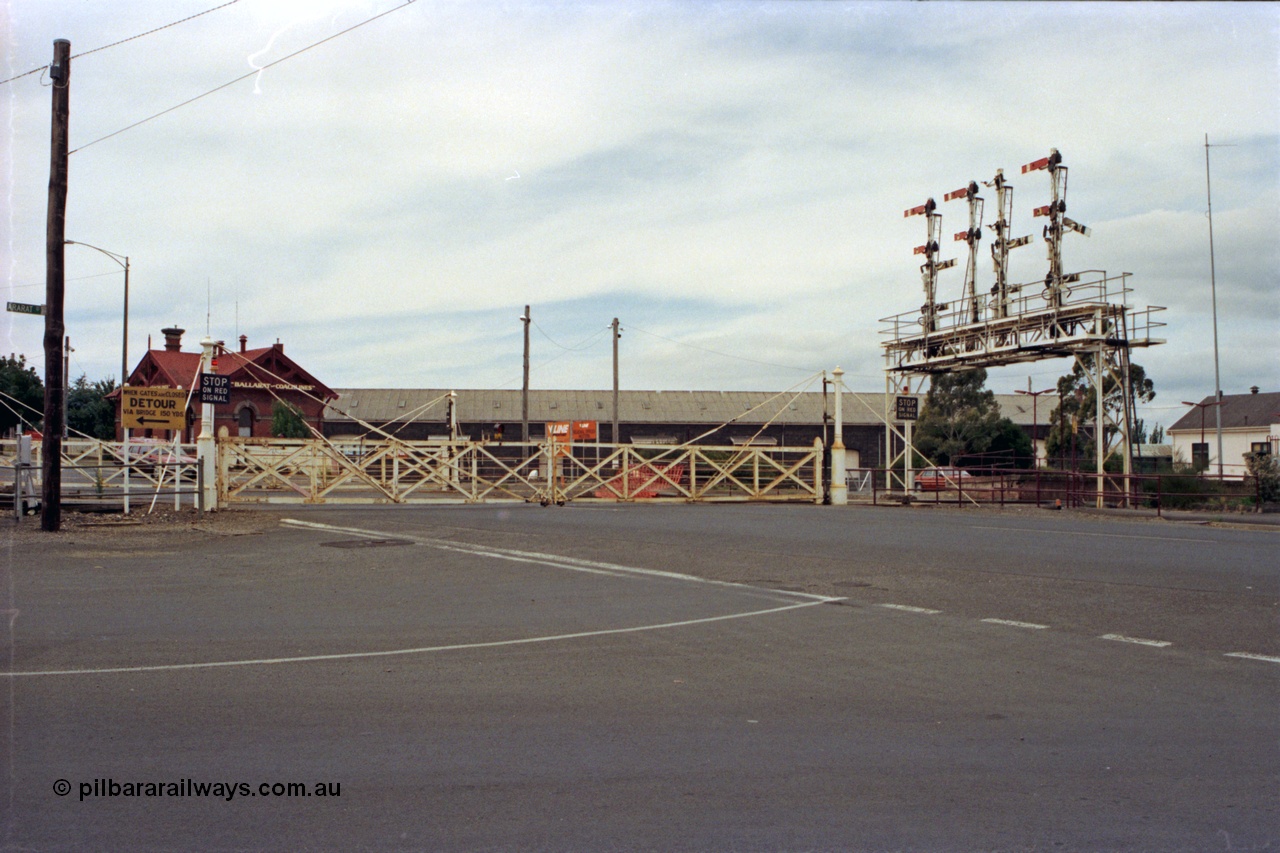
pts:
pixel 247 367
pixel 380 405
pixel 1239 411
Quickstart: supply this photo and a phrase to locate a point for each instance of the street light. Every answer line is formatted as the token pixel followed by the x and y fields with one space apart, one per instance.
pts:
pixel 1202 407
pixel 1035 421
pixel 123 261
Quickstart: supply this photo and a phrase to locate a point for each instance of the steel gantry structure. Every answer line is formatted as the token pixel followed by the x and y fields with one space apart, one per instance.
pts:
pixel 1083 315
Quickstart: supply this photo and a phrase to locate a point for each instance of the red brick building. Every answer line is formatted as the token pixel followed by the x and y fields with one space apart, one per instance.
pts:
pixel 259 377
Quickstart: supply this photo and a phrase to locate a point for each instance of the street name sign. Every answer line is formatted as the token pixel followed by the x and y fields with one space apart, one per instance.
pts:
pixel 907 408
pixel 215 388
pixel 24 308
pixel 153 408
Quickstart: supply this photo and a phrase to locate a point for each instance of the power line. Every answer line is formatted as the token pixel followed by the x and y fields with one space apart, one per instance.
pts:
pixel 557 343
pixel 635 328
pixel 81 278
pixel 122 41
pixel 252 73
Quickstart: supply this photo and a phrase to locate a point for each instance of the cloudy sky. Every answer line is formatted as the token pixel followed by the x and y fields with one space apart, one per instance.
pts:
pixel 726 178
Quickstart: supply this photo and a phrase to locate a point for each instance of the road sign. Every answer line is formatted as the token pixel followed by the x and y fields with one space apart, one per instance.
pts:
pixel 24 308
pixel 215 388
pixel 907 408
pixel 153 408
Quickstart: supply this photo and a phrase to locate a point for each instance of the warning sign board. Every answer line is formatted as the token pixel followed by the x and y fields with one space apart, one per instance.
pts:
pixel 153 408
pixel 907 408
pixel 215 388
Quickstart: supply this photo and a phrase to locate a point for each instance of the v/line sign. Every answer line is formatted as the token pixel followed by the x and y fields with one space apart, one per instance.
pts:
pixel 153 408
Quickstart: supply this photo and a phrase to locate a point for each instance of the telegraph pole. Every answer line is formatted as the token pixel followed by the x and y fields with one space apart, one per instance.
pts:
pixel 524 396
pixel 616 440
pixel 55 286
pixel 1213 291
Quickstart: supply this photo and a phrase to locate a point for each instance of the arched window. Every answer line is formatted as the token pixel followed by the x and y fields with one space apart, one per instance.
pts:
pixel 245 422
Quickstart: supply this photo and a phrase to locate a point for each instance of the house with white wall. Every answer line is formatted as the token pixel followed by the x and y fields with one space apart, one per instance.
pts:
pixel 1250 422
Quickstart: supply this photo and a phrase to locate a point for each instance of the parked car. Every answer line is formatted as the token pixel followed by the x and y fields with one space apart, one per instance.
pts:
pixel 939 479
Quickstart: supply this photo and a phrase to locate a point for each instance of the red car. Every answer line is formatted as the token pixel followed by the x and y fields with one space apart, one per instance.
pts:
pixel 940 479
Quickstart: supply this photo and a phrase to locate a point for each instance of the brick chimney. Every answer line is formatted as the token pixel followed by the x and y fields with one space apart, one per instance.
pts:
pixel 173 339
pixel 244 343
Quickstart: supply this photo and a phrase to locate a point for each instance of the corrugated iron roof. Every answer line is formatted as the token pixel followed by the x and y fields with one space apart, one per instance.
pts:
pixel 380 405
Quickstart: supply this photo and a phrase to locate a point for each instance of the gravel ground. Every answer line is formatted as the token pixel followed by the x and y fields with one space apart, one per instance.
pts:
pixel 160 525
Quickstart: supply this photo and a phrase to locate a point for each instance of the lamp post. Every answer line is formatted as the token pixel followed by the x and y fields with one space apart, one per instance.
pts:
pixel 1035 420
pixel 123 261
pixel 1202 407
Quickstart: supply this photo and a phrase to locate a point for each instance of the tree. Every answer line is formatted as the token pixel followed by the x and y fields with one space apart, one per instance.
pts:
pixel 1010 442
pixel 961 419
pixel 21 394
pixel 1077 407
pixel 1266 468
pixel 287 421
pixel 89 412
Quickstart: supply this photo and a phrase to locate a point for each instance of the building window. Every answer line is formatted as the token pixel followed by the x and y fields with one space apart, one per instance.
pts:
pixel 1200 455
pixel 244 421
pixel 1262 448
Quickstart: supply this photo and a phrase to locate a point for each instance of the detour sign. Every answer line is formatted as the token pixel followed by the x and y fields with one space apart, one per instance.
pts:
pixel 153 408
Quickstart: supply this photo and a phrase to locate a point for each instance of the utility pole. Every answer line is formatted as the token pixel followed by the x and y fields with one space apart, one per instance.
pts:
pixel 55 287
pixel 524 396
pixel 616 335
pixel 1213 290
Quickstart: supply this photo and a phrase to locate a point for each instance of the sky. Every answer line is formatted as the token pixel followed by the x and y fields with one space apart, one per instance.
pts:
pixel 728 179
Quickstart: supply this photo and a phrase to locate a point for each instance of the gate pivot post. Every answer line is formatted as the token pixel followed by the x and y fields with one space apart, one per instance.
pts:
pixel 206 448
pixel 839 487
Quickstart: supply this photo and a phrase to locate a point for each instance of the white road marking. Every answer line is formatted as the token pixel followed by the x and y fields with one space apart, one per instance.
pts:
pixel 1252 656
pixel 908 608
pixel 1079 533
pixel 1014 624
pixel 414 651
pixel 555 560
pixel 1121 638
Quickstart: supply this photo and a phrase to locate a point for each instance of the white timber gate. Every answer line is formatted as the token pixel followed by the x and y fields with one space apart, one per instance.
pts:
pixel 394 471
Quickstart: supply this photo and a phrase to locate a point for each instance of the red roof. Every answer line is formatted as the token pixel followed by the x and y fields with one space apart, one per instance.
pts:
pixel 268 365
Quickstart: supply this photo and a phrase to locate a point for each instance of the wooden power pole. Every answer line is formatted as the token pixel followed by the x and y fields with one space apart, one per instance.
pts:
pixel 55 285
pixel 524 388
pixel 614 435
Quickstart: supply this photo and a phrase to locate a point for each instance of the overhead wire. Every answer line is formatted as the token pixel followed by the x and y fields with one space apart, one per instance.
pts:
pixel 122 41
pixel 252 73
pixel 635 328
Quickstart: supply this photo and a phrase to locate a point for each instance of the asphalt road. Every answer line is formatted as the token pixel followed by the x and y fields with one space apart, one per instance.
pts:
pixel 646 678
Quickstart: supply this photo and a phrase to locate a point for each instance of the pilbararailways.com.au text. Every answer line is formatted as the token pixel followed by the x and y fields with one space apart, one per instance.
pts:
pixel 101 788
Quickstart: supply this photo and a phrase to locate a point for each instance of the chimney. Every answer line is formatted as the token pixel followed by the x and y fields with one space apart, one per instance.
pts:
pixel 1254 389
pixel 173 339
pixel 277 346
pixel 244 343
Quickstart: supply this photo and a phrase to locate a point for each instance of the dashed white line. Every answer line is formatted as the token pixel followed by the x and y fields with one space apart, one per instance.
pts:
pixel 909 609
pixel 1121 638
pixel 1015 624
pixel 1252 656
